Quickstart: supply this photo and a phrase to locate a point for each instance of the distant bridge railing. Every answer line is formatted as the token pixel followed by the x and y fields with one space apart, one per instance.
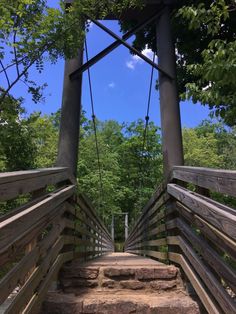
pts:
pixel 183 224
pixel 51 227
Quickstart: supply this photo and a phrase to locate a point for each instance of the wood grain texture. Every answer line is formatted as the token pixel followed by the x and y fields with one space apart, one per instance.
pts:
pixel 208 254
pixel 155 254
pixel 27 291
pixel 13 228
pixel 34 305
pixel 20 270
pixel 22 182
pixel 224 300
pixel 219 218
pixel 15 248
pixel 222 181
pixel 223 242
pixel 207 300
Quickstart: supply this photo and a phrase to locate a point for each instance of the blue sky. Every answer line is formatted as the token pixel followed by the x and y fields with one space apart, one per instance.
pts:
pixel 120 86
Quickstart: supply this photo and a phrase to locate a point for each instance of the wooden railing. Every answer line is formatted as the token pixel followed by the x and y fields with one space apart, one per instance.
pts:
pixel 183 224
pixel 52 227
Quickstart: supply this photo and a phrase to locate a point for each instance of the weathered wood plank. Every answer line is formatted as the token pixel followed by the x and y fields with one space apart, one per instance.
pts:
pixel 15 226
pixel 222 181
pixel 172 240
pixel 223 242
pixel 147 226
pixel 11 190
pixel 155 254
pixel 82 243
pixel 222 220
pixel 88 209
pixel 157 230
pixel 21 208
pixel 35 303
pixel 26 174
pixel 150 243
pixel 225 301
pixel 145 232
pixel 204 296
pixel 208 254
pixel 149 212
pixel 151 203
pixel 13 249
pixel 20 270
pixel 27 291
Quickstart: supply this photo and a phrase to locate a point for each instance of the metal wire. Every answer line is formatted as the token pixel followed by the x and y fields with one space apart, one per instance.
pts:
pixel 94 125
pixel 145 133
pixel 148 105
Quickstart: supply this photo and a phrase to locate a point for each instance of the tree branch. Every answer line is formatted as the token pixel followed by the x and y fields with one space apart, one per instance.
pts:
pixel 12 64
pixel 15 54
pixel 6 75
pixel 43 49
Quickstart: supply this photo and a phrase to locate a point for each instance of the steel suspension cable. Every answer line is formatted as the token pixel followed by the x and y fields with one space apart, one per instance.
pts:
pixel 145 133
pixel 148 105
pixel 94 124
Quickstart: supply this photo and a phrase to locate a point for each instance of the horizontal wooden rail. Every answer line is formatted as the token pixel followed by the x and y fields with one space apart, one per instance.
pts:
pixel 148 235
pixel 13 184
pixel 196 232
pixel 222 181
pixel 38 237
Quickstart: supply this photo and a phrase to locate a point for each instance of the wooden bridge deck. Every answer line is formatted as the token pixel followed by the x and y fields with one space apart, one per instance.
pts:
pixel 122 259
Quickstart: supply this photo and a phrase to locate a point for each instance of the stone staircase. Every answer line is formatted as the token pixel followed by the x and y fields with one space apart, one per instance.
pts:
pixel 119 283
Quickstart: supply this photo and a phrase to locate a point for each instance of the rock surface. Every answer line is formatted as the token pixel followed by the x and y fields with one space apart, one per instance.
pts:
pixel 120 283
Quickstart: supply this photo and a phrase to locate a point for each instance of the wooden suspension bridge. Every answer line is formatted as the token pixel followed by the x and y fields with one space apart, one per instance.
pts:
pixel 51 247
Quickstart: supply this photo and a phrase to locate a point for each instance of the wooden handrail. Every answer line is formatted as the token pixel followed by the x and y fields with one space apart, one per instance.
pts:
pixel 217 180
pixel 198 233
pixel 36 238
pixel 13 184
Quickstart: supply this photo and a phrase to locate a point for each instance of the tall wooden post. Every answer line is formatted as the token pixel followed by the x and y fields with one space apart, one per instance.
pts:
pixel 70 116
pixel 112 228
pixel 169 101
pixel 126 226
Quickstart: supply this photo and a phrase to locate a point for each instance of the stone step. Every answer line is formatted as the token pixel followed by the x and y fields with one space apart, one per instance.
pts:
pixel 110 303
pixel 153 279
pixel 119 284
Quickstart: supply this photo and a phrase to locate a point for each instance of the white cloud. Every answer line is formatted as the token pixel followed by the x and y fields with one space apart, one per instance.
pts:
pixel 90 24
pixel 131 64
pixel 111 85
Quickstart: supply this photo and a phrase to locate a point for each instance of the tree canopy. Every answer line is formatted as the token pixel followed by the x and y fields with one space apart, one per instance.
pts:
pixel 130 170
pixel 205 36
pixel 32 31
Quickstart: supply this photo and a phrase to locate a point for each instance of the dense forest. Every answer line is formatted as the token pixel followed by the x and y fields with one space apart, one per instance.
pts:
pixel 130 171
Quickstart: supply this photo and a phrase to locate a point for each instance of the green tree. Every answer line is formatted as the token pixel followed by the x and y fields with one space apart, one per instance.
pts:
pixel 201 150
pixel 226 141
pixel 130 172
pixel 18 149
pixel 211 76
pixel 141 166
pixel 204 33
pixel 32 31
pixel 46 141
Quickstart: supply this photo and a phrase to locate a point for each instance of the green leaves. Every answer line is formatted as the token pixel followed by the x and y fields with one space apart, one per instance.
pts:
pixel 210 76
pixel 203 16
pixel 35 31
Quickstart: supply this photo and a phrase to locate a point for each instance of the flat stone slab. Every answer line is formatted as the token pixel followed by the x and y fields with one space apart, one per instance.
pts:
pixel 118 271
pixel 119 304
pixel 119 259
